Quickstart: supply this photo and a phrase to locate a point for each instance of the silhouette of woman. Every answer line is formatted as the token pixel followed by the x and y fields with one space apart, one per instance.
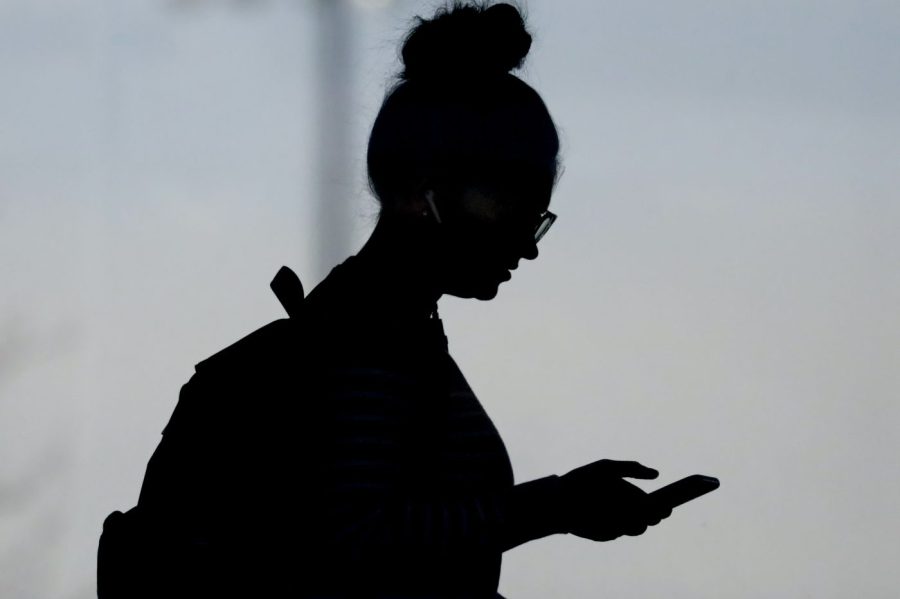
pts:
pixel 341 453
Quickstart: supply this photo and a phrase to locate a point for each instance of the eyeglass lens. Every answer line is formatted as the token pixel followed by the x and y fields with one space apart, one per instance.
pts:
pixel 544 225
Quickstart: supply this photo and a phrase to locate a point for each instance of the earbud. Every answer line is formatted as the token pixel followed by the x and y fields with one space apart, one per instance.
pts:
pixel 429 197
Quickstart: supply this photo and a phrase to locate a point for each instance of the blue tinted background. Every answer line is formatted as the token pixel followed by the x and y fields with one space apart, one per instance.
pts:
pixel 719 294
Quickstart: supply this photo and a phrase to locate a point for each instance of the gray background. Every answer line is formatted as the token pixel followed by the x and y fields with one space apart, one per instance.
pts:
pixel 719 295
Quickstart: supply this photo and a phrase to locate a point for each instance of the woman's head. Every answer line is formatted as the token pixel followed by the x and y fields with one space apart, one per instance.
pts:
pixel 460 127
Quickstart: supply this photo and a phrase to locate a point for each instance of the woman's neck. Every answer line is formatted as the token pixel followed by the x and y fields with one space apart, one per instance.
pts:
pixel 398 256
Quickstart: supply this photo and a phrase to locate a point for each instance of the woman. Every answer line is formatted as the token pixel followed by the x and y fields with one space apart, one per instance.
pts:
pixel 463 157
pixel 341 452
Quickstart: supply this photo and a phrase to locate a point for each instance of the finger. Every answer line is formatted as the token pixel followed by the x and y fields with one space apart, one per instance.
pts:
pixel 631 469
pixel 655 514
pixel 655 518
pixel 636 530
pixel 663 513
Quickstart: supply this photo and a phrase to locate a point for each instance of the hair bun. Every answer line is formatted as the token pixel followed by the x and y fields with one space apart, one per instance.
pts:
pixel 466 41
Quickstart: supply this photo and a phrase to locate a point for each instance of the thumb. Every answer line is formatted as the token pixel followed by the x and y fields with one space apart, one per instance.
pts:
pixel 631 469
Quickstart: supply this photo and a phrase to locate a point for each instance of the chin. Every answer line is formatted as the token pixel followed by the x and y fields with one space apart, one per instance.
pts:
pixel 487 295
pixel 483 293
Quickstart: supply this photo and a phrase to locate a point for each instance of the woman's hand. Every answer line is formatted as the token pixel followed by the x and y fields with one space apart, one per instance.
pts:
pixel 596 504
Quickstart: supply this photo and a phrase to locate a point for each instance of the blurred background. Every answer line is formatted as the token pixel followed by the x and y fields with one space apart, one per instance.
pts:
pixel 720 294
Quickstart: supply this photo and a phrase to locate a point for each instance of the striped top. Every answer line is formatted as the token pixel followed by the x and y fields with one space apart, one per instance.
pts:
pixel 340 453
pixel 417 489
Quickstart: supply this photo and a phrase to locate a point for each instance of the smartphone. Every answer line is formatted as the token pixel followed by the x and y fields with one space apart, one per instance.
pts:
pixel 685 490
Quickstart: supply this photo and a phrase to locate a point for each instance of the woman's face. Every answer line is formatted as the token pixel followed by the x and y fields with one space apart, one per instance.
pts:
pixel 485 232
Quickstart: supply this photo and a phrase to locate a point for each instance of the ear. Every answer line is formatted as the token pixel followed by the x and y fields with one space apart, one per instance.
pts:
pixel 412 203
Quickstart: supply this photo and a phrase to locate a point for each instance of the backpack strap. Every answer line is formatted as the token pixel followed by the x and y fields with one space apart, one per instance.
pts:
pixel 289 290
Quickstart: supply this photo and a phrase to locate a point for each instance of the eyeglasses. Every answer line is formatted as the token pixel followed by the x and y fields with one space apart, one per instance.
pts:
pixel 546 219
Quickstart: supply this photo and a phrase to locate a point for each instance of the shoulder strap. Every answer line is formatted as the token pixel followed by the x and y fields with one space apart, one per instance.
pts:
pixel 264 344
pixel 289 290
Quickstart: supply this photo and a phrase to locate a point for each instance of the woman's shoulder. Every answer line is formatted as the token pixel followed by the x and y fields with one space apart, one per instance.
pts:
pixel 269 345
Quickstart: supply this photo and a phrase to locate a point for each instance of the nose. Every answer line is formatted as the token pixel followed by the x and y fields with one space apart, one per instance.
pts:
pixel 530 251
